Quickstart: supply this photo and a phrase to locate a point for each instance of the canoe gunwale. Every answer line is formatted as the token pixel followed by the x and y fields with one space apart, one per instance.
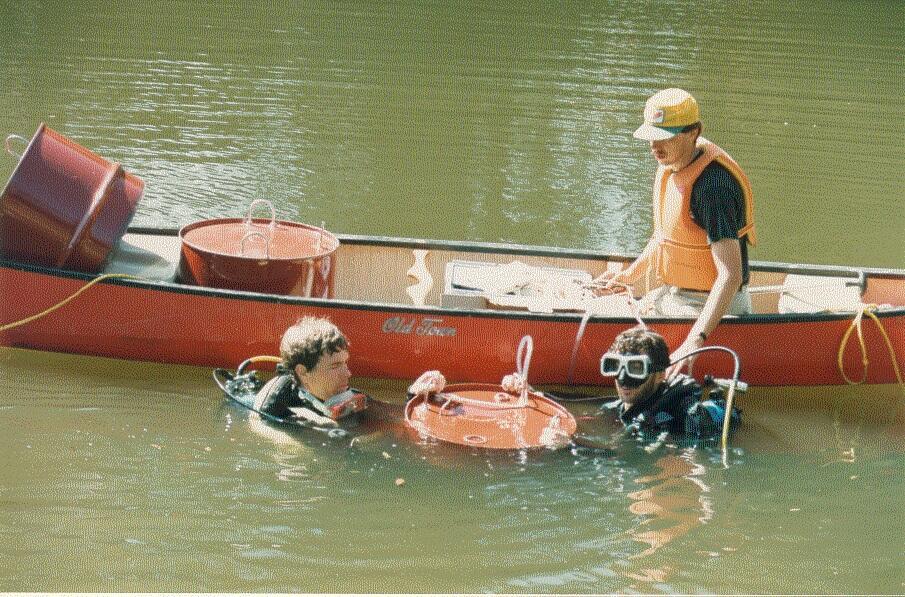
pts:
pixel 566 253
pixel 158 319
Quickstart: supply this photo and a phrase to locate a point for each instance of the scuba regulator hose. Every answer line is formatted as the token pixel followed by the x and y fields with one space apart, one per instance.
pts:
pixel 724 443
pixel 221 379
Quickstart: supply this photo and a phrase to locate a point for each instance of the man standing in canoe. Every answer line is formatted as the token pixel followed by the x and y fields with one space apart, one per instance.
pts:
pixel 703 222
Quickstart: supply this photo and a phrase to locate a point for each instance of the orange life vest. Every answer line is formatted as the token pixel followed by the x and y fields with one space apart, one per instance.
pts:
pixel 683 257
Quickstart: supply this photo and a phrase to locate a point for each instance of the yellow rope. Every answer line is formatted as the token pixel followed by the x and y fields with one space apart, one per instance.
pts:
pixel 856 326
pixel 15 324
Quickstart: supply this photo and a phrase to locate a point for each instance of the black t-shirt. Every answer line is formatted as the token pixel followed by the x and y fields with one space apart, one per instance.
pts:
pixel 718 206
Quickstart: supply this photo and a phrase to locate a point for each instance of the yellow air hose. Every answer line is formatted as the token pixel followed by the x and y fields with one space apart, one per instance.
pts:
pixel 101 278
pixel 264 358
pixel 727 419
pixel 856 326
pixel 730 396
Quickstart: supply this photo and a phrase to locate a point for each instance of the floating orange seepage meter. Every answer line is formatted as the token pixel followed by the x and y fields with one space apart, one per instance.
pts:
pixel 509 416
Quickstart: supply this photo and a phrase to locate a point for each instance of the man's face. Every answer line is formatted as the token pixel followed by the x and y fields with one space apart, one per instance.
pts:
pixel 675 151
pixel 633 391
pixel 329 377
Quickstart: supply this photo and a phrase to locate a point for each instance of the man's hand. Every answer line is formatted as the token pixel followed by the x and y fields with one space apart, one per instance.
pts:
pixel 693 342
pixel 607 283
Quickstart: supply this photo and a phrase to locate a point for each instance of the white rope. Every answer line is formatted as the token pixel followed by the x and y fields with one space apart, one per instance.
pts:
pixel 522 364
pixel 590 312
pixel 433 383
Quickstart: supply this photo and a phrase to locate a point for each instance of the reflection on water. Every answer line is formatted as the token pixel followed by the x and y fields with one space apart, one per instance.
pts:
pixel 674 501
pixel 474 120
pixel 158 472
pixel 287 444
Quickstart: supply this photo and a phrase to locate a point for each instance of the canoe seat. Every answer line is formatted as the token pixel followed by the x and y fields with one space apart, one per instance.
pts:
pixel 146 256
pixel 514 285
pixel 813 294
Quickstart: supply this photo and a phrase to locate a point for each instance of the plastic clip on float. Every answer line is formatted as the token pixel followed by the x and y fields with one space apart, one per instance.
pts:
pixel 509 416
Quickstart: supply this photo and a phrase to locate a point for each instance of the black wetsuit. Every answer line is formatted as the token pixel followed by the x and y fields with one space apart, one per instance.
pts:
pixel 283 393
pixel 677 407
pixel 279 395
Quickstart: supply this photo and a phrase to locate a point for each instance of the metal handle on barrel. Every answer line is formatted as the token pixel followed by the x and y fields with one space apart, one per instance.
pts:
pixel 251 208
pixel 250 235
pixel 9 149
pixel 249 223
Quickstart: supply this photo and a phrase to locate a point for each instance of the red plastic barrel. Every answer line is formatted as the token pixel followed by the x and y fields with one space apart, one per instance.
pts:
pixel 64 206
pixel 485 416
pixel 259 255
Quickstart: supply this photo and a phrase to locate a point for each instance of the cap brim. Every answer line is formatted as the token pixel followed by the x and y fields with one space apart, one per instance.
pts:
pixel 649 132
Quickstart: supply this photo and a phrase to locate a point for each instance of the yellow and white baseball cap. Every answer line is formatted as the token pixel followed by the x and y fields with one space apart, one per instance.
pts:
pixel 666 113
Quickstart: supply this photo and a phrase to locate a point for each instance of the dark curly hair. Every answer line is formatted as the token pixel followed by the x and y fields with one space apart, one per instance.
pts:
pixel 308 340
pixel 639 340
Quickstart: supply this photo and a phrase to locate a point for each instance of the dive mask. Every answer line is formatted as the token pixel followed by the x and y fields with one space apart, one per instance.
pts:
pixel 630 369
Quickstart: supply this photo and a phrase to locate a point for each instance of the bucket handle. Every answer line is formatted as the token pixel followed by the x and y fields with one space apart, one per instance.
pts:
pixel 9 149
pixel 251 234
pixel 251 207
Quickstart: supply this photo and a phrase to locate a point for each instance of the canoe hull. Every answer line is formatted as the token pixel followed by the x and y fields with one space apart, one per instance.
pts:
pixel 172 323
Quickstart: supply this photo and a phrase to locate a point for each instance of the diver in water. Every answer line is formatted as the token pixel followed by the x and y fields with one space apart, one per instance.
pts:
pixel 313 380
pixel 648 402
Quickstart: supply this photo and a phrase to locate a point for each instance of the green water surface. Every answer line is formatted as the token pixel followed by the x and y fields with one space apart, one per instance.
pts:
pixel 503 121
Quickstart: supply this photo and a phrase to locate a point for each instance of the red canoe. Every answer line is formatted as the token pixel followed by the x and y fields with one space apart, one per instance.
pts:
pixel 410 305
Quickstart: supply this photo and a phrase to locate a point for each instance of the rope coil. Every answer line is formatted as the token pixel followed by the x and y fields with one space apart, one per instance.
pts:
pixel 431 383
pixel 855 326
pixel 522 364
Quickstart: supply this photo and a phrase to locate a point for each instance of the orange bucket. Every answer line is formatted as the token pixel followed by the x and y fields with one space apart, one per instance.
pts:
pixel 485 416
pixel 259 255
pixel 64 206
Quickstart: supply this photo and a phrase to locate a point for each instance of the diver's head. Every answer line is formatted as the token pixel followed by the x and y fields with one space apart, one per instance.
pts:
pixel 637 360
pixel 317 354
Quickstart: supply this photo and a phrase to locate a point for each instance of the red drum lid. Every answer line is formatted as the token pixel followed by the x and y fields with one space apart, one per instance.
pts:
pixel 484 416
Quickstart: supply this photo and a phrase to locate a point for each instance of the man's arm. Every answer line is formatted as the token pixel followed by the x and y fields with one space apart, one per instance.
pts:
pixel 727 256
pixel 633 272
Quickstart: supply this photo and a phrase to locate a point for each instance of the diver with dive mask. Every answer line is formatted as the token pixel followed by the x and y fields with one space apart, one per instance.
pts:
pixel 647 402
